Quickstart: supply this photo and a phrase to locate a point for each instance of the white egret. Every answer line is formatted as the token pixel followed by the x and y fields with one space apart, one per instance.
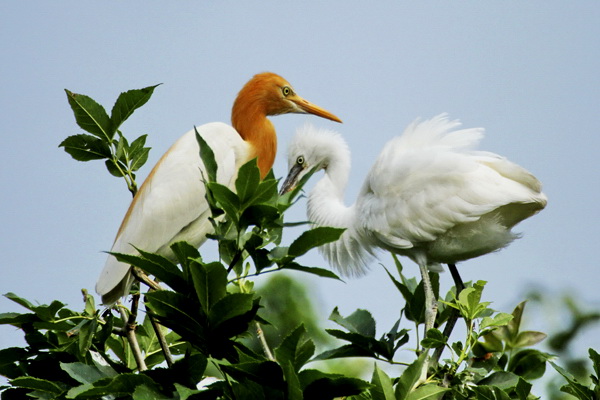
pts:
pixel 171 206
pixel 429 196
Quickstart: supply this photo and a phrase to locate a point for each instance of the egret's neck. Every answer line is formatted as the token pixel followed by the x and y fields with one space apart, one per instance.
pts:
pixel 326 207
pixel 249 118
pixel 326 201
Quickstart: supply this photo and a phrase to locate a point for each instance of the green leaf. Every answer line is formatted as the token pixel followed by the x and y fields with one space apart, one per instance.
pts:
pixel 184 392
pixel 528 338
pixel 86 335
pixel 128 102
pixel 208 158
pixel 499 319
pixel 502 379
pixel 83 373
pixel 360 321
pixel 383 389
pixel 319 385
pixel 84 147
pixel 229 307
pixel 139 159
pixel 210 282
pixel 42 385
pixel 573 387
pixel 19 300
pixel 90 116
pixel 529 363
pixel 410 377
pixel 266 373
pixel 469 301
pixel 523 389
pixel 349 350
pixel 294 390
pixel 156 265
pixel 226 199
pixel 434 339
pixel 313 238
pixel 247 181
pixel 115 168
pixel 425 392
pixel 121 385
pixel 325 273
pixel 295 349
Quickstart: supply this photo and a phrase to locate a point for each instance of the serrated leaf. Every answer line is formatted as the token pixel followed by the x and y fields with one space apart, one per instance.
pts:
pixel 313 238
pixel 295 349
pixel 128 102
pixel 502 379
pixel 575 388
pixel 360 321
pixel 434 339
pixel 84 147
pixel 208 158
pixel 90 116
pixel 86 335
pixel 83 373
pixel 139 159
pixel 247 181
pixel 226 199
pixel 319 385
pixel 410 377
pixel 113 169
pixel 349 350
pixel 20 300
pixel 230 307
pixel 42 385
pixel 428 392
pixel 499 319
pixel 210 282
pixel 383 389
pixel 156 265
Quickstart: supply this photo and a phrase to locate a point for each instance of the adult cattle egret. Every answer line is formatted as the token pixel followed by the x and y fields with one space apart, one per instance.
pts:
pixel 429 196
pixel 170 205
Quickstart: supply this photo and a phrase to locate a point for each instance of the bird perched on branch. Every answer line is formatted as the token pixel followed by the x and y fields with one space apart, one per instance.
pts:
pixel 429 196
pixel 171 206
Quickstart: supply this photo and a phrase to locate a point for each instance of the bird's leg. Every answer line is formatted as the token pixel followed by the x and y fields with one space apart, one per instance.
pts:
pixel 430 301
pixel 454 313
pixel 430 311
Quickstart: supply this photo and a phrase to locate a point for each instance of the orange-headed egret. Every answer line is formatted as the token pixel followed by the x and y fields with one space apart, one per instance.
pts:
pixel 171 206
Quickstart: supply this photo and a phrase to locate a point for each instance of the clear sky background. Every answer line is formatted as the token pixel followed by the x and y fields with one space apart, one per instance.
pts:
pixel 529 72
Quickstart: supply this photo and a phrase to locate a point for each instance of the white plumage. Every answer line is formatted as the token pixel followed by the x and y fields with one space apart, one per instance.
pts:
pixel 172 206
pixel 429 196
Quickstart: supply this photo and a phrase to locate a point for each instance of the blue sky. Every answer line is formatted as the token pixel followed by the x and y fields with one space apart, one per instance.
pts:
pixel 526 71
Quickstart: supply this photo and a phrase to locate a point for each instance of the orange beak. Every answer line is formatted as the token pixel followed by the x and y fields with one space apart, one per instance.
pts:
pixel 306 107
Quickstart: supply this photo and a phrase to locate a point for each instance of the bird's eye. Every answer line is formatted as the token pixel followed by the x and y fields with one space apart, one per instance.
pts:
pixel 300 160
pixel 286 90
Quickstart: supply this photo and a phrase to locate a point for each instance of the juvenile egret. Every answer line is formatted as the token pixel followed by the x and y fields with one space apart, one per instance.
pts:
pixel 171 206
pixel 429 196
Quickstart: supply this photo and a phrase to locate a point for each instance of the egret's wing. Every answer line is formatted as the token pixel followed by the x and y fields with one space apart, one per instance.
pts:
pixel 420 188
pixel 172 199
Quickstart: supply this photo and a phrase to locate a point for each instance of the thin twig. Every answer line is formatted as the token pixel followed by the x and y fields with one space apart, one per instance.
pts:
pixel 130 332
pixel 263 342
pixel 162 341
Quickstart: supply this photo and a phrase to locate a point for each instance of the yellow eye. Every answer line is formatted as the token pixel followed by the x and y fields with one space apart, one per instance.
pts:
pixel 286 90
pixel 300 160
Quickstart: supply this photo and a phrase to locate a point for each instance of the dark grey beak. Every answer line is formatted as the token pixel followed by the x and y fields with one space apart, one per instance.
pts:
pixel 292 179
